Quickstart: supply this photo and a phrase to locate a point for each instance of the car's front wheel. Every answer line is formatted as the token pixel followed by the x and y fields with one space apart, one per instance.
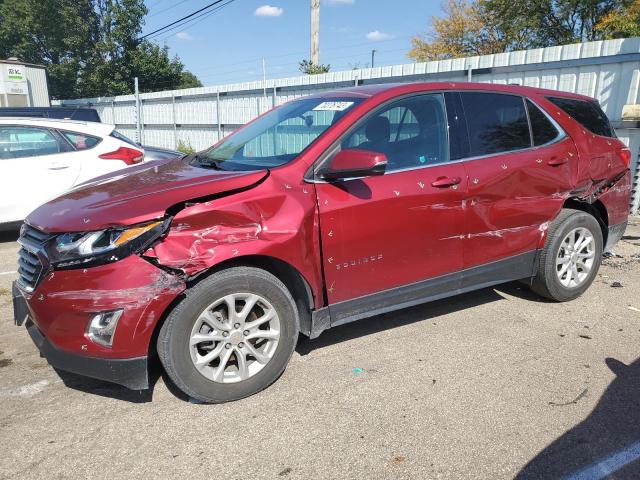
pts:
pixel 571 256
pixel 231 336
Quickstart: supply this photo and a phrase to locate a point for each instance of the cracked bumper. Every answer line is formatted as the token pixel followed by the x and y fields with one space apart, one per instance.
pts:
pixel 57 313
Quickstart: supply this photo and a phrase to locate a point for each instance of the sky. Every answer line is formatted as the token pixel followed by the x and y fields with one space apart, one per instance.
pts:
pixel 227 46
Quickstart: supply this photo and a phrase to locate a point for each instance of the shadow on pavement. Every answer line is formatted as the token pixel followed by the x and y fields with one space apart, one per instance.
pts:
pixel 9 235
pixel 110 390
pixel 419 313
pixel 606 444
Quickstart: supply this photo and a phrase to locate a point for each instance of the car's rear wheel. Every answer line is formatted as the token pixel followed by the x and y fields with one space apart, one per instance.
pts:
pixel 231 336
pixel 571 257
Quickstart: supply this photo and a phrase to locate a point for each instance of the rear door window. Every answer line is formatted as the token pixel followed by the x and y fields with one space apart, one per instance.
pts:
pixel 542 129
pixel 587 114
pixel 20 142
pixel 496 123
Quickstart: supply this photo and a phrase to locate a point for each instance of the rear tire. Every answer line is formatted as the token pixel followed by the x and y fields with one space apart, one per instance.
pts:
pixel 571 256
pixel 231 336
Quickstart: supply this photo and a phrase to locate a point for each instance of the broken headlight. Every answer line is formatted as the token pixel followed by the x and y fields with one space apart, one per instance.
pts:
pixel 75 250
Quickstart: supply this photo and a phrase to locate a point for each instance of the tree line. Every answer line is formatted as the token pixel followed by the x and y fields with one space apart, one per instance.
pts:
pixel 481 27
pixel 90 47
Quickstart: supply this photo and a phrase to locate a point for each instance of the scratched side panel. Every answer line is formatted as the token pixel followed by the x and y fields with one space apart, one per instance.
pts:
pixel 386 231
pixel 512 199
pixel 275 219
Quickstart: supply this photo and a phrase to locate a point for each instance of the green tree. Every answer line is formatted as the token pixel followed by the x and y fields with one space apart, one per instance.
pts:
pixel 31 31
pixel 90 47
pixel 623 21
pixel 478 27
pixel 466 29
pixel 309 68
pixel 189 80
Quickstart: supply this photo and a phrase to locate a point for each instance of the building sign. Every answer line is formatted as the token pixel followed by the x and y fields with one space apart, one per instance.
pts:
pixel 13 80
pixel 15 73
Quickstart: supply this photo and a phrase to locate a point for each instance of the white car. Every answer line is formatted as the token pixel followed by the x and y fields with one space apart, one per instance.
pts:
pixel 42 158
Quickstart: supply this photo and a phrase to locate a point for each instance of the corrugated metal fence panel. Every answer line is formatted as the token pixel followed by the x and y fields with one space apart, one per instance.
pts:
pixel 38 86
pixel 631 138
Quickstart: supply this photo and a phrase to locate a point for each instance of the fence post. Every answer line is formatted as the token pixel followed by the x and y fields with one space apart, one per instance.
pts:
pixel 173 120
pixel 137 94
pixel 113 111
pixel 218 115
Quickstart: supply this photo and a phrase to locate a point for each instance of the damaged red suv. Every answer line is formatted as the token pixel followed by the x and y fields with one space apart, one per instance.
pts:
pixel 327 209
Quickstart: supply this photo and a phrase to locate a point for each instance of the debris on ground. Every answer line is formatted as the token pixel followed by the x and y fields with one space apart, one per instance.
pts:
pixel 616 285
pixel 572 402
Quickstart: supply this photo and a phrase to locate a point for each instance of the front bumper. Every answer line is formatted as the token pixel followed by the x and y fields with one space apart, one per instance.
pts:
pixel 58 310
pixel 130 372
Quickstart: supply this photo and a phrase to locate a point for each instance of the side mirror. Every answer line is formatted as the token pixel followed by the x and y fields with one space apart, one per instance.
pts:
pixel 355 163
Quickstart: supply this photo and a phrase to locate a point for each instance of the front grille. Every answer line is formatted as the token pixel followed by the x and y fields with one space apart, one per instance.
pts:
pixel 30 268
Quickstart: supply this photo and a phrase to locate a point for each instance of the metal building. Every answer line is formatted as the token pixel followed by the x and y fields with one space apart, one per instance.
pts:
pixel 23 84
pixel 607 70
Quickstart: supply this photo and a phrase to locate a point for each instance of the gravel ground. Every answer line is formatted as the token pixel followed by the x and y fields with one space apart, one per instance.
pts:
pixel 493 384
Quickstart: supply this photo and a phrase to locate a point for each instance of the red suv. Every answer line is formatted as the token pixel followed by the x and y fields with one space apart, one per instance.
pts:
pixel 327 209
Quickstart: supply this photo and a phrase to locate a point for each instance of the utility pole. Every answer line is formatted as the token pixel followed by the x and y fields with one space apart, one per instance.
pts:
pixel 373 58
pixel 315 32
pixel 137 94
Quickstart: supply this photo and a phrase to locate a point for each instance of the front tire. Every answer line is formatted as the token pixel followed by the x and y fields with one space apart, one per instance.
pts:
pixel 571 256
pixel 231 336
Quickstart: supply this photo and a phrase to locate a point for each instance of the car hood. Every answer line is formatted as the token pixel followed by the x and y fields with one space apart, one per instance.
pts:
pixel 136 194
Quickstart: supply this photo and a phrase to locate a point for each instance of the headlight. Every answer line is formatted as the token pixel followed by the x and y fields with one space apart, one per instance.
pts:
pixel 71 250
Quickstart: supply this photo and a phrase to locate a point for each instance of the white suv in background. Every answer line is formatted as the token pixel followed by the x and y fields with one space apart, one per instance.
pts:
pixel 42 158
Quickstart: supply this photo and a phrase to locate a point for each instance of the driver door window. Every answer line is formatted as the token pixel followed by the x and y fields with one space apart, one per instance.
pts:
pixel 411 132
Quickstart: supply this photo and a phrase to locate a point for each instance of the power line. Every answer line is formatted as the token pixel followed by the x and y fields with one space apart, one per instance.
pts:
pixel 181 19
pixel 194 21
pixel 167 8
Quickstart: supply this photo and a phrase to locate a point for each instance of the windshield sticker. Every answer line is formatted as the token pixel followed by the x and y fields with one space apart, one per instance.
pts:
pixel 333 106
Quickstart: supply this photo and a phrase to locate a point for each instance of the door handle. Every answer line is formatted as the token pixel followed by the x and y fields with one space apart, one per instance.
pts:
pixel 444 182
pixel 57 166
pixel 556 162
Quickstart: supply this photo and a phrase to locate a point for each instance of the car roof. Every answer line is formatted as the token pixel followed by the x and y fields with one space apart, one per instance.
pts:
pixel 74 125
pixel 400 88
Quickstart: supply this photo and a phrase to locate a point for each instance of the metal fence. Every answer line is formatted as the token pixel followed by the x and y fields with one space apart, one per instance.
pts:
pixel 607 70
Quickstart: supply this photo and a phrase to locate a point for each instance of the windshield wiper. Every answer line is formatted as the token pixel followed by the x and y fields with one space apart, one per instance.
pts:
pixel 207 162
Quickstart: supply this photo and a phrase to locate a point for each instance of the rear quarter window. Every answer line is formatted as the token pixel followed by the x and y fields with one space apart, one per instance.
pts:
pixel 587 114
pixel 81 141
pixel 542 129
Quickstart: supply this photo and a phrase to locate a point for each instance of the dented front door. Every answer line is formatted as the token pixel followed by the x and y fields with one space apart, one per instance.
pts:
pixel 383 232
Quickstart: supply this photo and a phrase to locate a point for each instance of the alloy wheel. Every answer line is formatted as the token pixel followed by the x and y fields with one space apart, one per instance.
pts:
pixel 575 258
pixel 234 337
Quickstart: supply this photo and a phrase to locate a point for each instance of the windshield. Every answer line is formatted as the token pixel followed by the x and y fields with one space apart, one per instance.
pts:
pixel 277 137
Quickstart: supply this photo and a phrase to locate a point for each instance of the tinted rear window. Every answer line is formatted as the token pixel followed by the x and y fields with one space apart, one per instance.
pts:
pixel 541 127
pixel 496 122
pixel 588 114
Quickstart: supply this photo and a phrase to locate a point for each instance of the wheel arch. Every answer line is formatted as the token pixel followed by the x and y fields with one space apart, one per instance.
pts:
pixel 596 209
pixel 294 281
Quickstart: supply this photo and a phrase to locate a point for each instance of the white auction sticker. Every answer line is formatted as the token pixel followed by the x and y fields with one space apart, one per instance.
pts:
pixel 333 106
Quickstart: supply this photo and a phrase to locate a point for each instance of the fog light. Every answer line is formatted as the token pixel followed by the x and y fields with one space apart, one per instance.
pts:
pixel 102 326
